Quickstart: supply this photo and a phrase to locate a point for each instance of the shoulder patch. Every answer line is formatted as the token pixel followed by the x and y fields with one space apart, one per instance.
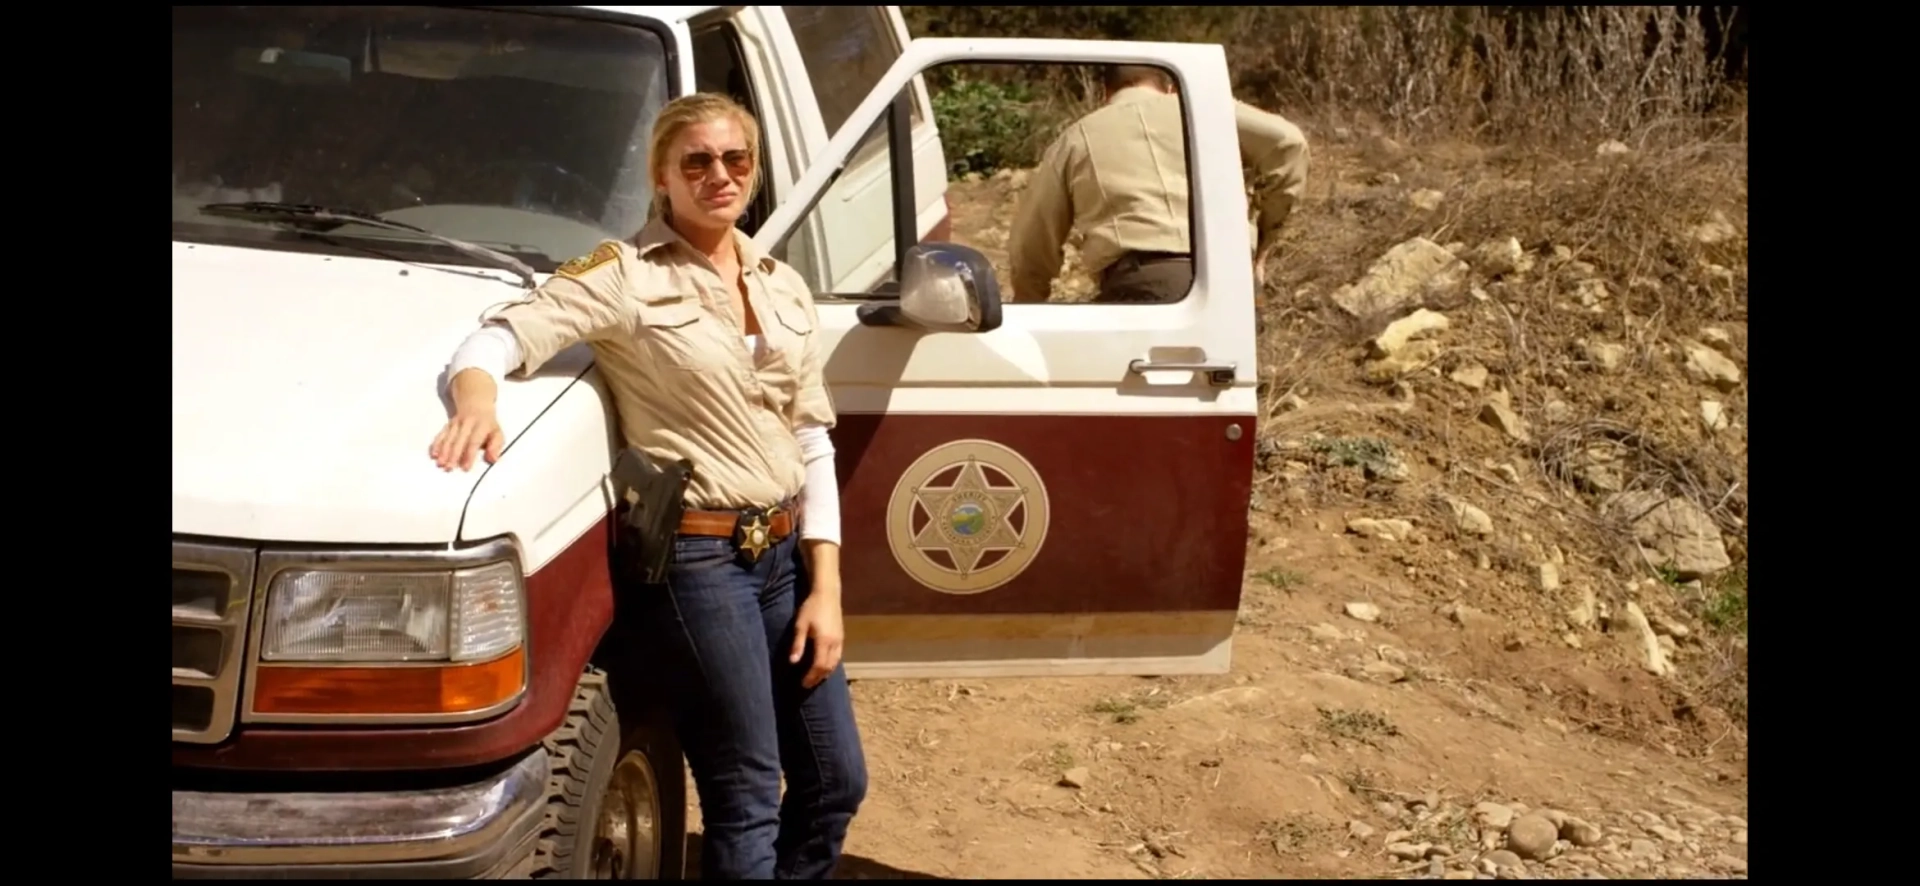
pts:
pixel 600 255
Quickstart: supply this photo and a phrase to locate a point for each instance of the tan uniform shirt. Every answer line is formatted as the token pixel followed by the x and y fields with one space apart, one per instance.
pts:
pixel 1120 174
pixel 660 321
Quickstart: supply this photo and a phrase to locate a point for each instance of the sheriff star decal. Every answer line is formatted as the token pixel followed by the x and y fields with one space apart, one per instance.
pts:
pixel 967 517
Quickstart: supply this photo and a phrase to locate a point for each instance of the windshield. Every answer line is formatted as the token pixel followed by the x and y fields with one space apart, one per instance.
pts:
pixel 520 131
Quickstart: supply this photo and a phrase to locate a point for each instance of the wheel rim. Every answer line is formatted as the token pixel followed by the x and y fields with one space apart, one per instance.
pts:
pixel 626 840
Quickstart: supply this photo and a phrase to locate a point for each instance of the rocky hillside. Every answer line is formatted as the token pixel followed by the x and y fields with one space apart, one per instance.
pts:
pixel 1495 615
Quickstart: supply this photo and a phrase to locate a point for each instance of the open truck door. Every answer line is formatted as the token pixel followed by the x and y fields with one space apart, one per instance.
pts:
pixel 1042 489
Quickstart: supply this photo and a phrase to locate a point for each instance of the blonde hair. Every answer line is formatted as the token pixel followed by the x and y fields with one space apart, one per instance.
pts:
pixel 689 110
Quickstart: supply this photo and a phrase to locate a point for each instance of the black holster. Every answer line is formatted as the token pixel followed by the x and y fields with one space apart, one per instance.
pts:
pixel 647 520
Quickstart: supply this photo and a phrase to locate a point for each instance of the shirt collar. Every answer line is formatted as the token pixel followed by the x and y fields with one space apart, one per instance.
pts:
pixel 1135 93
pixel 658 233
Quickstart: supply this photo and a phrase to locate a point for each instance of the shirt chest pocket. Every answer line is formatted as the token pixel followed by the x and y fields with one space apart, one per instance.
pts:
pixel 675 331
pixel 792 327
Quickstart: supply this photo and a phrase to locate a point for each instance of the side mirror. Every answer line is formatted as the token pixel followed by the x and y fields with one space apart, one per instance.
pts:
pixel 944 287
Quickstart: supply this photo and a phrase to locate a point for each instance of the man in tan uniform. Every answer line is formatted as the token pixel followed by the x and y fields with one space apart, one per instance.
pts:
pixel 1120 175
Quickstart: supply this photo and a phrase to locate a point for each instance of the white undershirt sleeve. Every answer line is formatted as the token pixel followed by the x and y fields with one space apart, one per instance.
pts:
pixel 820 497
pixel 492 349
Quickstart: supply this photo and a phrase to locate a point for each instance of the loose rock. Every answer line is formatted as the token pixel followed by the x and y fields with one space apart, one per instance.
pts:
pixel 1671 835
pixel 1673 532
pixel 1359 830
pixel 1704 364
pixel 1501 258
pixel 1549 577
pixel 1716 229
pixel 1403 276
pixel 1655 656
pixel 1469 519
pixel 1581 833
pixel 1400 332
pixel 1502 858
pixel 1585 613
pixel 1532 836
pixel 1493 816
pixel 1470 375
pixel 1612 148
pixel 1328 633
pixel 1426 199
pixel 1360 611
pixel 1713 414
pixel 1605 356
pixel 1500 416
pixel 1410 359
pixel 1590 292
pixel 1077 777
pixel 1408 851
pixel 1386 530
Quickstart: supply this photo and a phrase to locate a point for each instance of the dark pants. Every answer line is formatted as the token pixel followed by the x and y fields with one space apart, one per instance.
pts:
pixel 1146 278
pixel 743 717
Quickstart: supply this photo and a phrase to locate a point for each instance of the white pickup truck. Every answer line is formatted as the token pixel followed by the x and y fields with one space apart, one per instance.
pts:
pixel 382 669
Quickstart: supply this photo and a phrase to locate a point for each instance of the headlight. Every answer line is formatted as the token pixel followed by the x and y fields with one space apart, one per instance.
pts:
pixel 464 615
pixel 338 645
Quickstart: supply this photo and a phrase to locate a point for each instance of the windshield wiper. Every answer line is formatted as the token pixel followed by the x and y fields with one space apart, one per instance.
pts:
pixel 300 213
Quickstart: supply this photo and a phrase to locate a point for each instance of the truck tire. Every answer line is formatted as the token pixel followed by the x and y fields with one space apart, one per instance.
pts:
pixel 616 803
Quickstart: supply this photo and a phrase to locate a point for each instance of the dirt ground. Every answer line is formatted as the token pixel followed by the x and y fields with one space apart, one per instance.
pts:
pixel 1429 733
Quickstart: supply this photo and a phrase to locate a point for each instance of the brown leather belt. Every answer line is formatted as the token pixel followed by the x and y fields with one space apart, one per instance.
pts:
pixel 721 524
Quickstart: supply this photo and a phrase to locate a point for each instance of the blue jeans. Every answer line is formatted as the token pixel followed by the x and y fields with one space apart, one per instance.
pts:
pixel 743 717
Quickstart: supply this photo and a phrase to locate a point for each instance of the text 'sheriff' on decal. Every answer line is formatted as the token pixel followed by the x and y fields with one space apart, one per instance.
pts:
pixel 967 516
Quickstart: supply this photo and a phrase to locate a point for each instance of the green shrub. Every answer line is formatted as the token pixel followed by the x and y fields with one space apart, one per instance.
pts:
pixel 984 126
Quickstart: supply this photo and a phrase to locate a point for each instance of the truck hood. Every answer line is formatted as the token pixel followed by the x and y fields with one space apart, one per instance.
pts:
pixel 307 388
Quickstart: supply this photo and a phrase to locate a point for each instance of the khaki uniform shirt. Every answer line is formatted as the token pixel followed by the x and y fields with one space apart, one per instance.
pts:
pixel 659 319
pixel 1120 175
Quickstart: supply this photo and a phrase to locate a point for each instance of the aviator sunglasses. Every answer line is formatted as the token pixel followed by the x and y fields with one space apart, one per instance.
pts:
pixel 695 164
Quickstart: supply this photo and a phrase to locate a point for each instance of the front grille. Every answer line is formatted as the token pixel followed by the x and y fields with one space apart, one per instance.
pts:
pixel 212 592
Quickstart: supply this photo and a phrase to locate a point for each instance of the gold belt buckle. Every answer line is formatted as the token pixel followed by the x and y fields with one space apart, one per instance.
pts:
pixel 754 533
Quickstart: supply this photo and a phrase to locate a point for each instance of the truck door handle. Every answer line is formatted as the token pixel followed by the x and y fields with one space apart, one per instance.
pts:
pixel 1220 375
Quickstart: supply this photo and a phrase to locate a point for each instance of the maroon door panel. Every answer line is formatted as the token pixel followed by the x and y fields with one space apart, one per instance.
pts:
pixel 1049 514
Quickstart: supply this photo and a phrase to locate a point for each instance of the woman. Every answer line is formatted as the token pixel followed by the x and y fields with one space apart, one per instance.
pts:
pixel 711 352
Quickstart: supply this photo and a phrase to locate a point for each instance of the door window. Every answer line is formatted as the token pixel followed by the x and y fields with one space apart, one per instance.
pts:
pixel 1117 197
pixel 846 50
pixel 720 65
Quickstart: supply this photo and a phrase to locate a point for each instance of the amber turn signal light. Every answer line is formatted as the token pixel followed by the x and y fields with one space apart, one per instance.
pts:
pixel 393 691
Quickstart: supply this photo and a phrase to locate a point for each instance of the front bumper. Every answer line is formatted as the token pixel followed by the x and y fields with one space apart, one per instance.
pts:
pixel 473 831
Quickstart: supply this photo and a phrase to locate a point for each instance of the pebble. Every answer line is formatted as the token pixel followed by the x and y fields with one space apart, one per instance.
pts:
pixel 1580 833
pixel 1730 864
pixel 1492 815
pixel 1408 851
pixel 1643 849
pixel 1359 830
pixel 1499 858
pixel 1669 834
pixel 1740 837
pixel 1532 836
